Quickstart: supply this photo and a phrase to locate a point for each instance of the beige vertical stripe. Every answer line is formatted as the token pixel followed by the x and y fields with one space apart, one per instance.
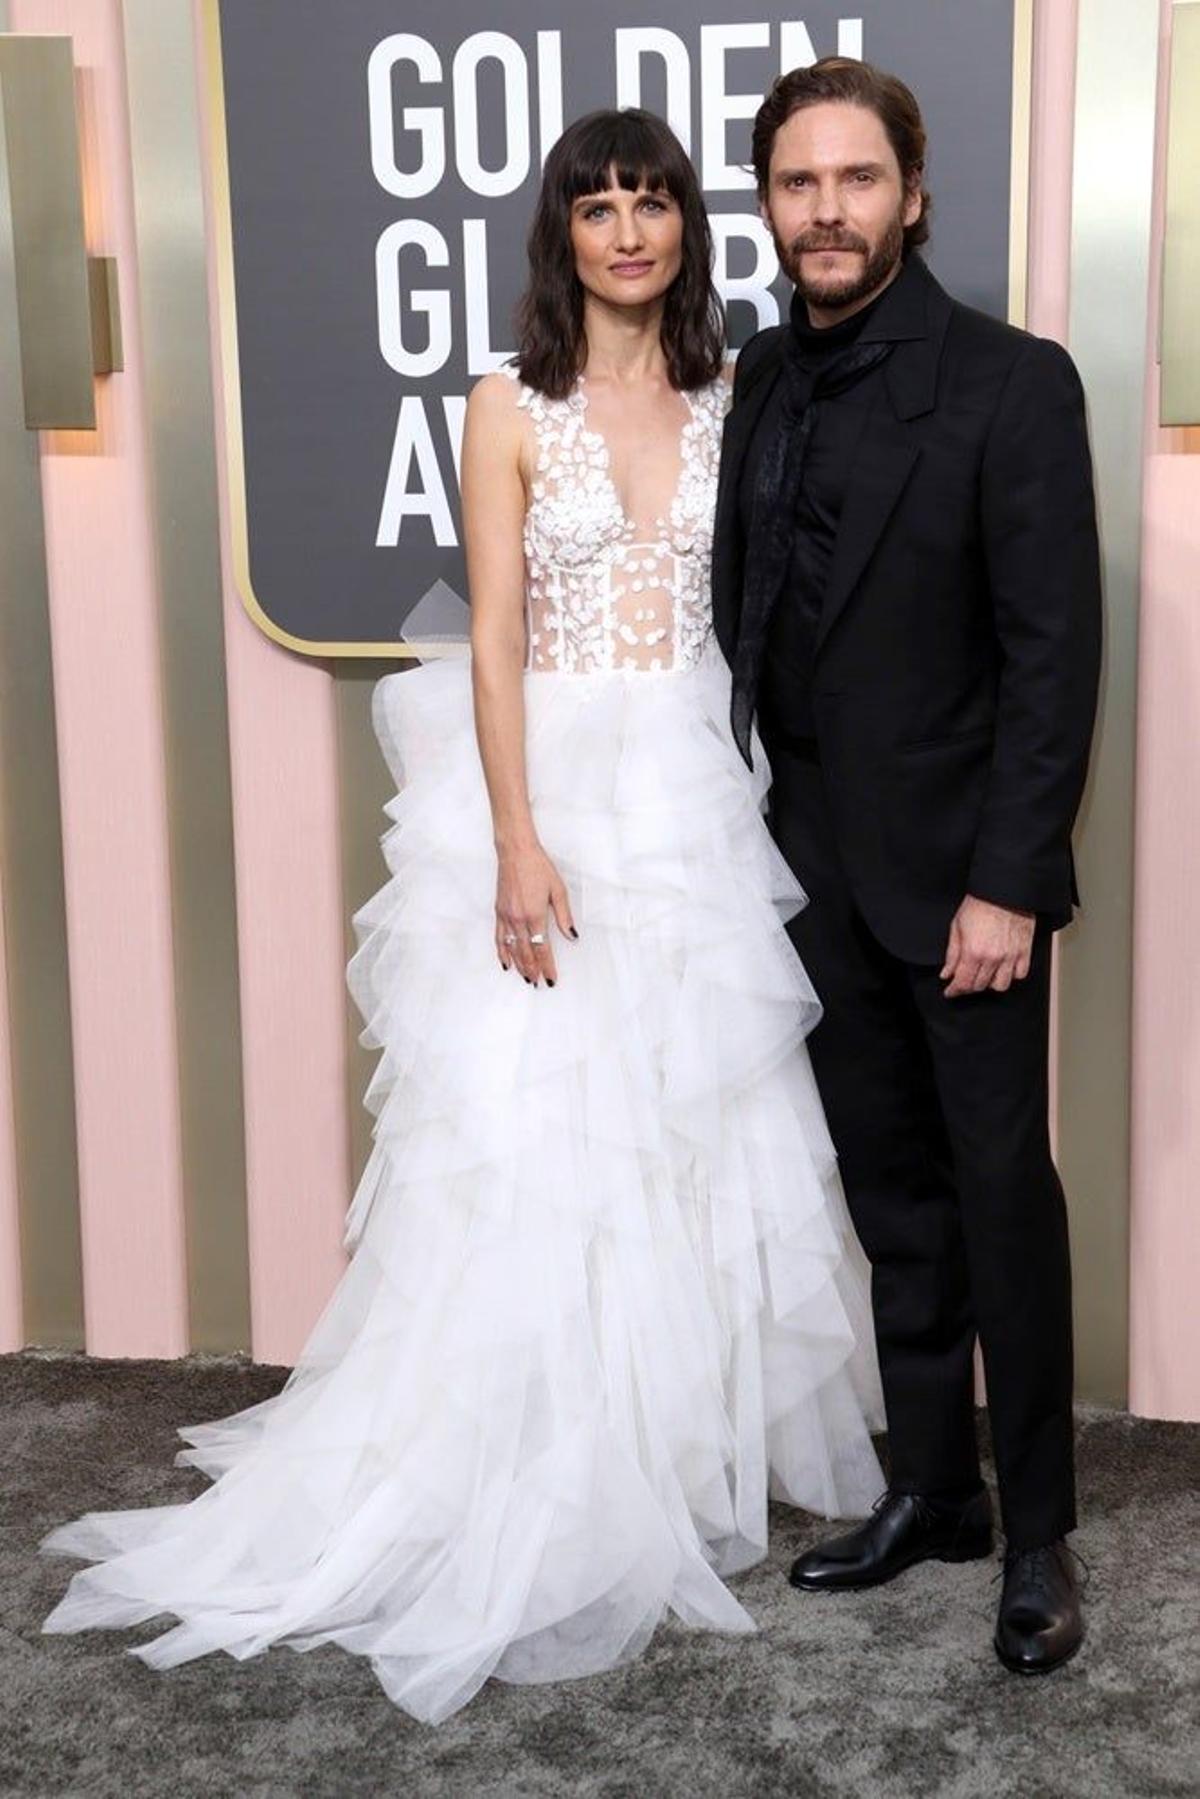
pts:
pixel 1180 395
pixel 165 143
pixel 39 1021
pixel 1110 246
pixel 1019 161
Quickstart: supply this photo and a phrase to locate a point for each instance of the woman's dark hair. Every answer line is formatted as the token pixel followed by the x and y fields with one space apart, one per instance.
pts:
pixel 639 150
pixel 856 84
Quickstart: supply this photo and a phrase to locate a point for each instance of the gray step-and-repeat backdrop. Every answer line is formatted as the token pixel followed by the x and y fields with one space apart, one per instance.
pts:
pixel 382 165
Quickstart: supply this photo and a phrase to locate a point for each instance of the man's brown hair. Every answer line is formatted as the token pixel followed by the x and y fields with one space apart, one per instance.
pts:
pixel 842 78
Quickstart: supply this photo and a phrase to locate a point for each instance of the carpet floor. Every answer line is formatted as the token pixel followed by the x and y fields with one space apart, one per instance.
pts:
pixel 887 1695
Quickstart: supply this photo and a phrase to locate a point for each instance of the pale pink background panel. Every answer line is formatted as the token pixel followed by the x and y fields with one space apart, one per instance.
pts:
pixel 1164 1348
pixel 104 638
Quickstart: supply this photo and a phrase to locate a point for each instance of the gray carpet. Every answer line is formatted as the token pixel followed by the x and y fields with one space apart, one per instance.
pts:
pixel 889 1694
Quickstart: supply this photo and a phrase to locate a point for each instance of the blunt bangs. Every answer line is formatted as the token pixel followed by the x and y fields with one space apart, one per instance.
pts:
pixel 627 147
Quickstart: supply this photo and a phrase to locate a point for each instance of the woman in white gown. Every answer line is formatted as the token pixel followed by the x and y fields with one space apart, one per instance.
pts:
pixel 604 1296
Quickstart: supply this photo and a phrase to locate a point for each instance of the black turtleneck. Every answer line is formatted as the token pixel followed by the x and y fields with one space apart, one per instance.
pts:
pixel 785 693
pixel 815 342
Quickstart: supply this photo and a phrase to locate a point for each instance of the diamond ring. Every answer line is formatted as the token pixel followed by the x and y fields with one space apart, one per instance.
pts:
pixel 537 936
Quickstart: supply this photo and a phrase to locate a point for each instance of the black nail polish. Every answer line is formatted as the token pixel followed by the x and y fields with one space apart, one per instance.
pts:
pixel 574 933
pixel 549 982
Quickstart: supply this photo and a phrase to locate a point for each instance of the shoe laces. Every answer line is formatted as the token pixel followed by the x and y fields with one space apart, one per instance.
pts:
pixel 891 1494
pixel 1040 1561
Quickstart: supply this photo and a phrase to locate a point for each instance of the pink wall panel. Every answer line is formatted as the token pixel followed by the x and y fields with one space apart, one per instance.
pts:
pixel 1165 1243
pixel 104 636
pixel 290 942
pixel 1165 1223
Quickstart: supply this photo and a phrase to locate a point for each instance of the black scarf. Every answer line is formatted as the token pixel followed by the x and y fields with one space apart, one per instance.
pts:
pixel 773 506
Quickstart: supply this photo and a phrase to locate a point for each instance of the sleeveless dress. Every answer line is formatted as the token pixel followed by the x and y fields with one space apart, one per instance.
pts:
pixel 604 1297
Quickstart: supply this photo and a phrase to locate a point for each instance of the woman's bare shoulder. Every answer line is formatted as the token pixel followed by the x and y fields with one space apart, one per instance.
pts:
pixel 495 397
pixel 497 416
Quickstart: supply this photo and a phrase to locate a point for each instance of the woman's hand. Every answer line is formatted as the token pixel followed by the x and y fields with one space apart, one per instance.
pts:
pixel 528 889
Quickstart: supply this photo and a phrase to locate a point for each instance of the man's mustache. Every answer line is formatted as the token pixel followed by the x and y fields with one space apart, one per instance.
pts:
pixel 812 240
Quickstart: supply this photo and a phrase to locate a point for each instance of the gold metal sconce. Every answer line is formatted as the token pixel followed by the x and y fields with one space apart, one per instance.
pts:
pixel 1180 387
pixel 68 309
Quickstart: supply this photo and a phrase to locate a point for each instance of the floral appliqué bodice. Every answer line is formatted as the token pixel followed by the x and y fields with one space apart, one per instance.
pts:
pixel 602 593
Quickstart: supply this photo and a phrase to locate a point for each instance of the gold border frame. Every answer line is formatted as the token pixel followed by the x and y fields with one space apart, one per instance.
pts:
pixel 229 374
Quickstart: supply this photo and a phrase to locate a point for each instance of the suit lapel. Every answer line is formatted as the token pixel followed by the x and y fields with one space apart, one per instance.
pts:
pixel 888 450
pixel 886 456
pixel 735 440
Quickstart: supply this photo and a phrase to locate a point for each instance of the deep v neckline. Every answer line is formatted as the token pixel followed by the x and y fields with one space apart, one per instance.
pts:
pixel 664 520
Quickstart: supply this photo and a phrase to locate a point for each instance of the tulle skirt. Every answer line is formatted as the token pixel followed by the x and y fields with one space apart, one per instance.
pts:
pixel 604 1297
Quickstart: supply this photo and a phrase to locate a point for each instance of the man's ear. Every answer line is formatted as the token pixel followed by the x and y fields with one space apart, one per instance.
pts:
pixel 913 199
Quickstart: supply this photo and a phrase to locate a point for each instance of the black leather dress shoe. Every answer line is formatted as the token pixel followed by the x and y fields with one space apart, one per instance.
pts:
pixel 903 1528
pixel 1040 1625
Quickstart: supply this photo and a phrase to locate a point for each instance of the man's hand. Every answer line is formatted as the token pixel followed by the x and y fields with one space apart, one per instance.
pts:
pixel 989 947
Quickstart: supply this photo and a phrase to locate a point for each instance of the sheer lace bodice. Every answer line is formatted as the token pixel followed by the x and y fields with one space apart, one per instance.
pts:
pixel 602 591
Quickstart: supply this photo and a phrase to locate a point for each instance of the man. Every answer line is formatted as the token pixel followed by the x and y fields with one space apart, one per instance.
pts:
pixel 906 586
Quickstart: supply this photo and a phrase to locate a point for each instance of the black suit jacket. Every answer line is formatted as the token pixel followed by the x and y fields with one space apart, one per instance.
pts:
pixel 958 655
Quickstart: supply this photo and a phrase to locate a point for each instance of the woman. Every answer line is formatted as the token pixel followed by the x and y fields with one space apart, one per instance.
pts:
pixel 604 1294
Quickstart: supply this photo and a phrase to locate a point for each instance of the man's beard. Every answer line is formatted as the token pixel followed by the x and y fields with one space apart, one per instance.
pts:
pixel 834 292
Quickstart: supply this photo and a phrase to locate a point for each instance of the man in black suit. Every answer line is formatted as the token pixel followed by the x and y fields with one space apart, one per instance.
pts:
pixel 906 587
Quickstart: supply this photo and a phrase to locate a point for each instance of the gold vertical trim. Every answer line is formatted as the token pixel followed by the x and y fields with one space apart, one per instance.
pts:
pixel 35 920
pixel 1180 393
pixel 1019 162
pixel 164 123
pixel 1115 102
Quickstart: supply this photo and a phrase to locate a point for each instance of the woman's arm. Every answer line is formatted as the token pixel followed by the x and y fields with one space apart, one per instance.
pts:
pixel 494 500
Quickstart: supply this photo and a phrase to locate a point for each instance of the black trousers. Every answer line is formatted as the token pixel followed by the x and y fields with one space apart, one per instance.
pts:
pixel 939 1112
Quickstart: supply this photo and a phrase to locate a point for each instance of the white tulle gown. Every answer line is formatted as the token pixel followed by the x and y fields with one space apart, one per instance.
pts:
pixel 604 1296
